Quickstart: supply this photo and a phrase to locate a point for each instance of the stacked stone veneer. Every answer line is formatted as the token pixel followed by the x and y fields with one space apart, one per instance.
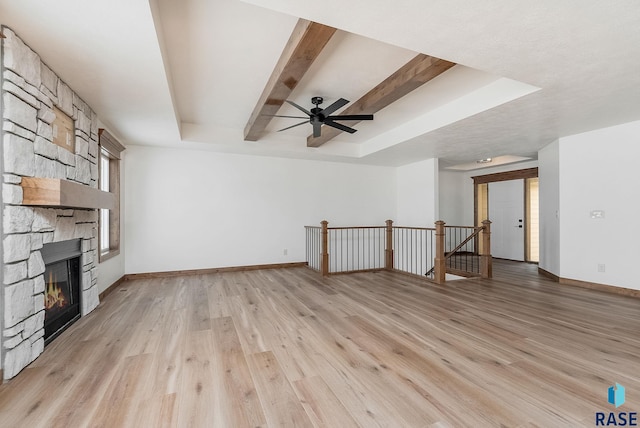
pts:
pixel 30 90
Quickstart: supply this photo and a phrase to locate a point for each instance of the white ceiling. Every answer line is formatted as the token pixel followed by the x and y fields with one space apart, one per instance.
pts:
pixel 188 73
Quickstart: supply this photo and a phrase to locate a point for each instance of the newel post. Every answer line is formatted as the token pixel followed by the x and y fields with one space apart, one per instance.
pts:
pixel 439 264
pixel 324 255
pixel 388 252
pixel 486 262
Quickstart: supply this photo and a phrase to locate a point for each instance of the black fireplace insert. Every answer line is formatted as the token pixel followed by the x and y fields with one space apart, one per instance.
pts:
pixel 62 278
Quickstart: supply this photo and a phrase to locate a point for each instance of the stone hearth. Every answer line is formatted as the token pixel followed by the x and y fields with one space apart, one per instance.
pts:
pixel 30 90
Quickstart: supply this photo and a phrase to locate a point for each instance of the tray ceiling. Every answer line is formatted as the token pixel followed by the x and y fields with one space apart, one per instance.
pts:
pixel 189 73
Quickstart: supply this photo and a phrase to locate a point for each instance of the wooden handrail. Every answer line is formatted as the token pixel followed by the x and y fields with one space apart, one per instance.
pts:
pixel 356 227
pixel 462 244
pixel 414 228
pixel 463 227
pixel 382 227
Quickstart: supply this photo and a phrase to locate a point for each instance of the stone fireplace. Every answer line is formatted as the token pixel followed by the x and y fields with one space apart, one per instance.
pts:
pixel 30 92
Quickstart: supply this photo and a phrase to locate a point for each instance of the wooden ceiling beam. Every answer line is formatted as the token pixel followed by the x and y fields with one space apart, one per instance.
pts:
pixel 409 77
pixel 305 44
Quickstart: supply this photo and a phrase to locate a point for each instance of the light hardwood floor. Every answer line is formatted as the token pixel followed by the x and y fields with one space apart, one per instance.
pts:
pixel 289 348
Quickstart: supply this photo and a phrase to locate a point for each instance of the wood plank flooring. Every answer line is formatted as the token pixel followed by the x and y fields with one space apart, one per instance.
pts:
pixel 289 348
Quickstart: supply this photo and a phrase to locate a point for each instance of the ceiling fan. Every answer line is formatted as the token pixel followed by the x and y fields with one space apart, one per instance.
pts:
pixel 318 116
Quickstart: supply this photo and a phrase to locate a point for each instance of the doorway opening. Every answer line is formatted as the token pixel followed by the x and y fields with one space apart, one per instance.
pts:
pixel 511 201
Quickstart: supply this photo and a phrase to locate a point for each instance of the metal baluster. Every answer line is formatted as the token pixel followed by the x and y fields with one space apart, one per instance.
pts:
pixel 376 242
pixel 310 247
pixel 360 240
pixel 395 247
pixel 358 249
pixel 349 241
pixel 406 250
pixel 422 251
pixel 367 245
pixel 334 251
pixel 411 249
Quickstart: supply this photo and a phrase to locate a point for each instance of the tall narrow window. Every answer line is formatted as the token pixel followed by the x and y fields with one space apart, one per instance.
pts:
pixel 109 236
pixel 533 221
pixel 104 213
pixel 482 208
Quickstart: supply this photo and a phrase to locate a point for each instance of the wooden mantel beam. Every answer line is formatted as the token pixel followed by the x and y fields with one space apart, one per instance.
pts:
pixel 56 193
pixel 407 78
pixel 305 44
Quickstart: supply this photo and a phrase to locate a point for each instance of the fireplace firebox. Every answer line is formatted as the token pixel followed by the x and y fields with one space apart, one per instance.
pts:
pixel 62 286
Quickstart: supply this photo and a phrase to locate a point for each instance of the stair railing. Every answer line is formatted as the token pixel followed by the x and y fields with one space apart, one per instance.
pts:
pixel 411 250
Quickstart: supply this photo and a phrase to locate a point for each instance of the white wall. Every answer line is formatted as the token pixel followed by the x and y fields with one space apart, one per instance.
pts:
pixel 1 235
pixel 112 270
pixel 417 194
pixel 549 175
pixel 452 197
pixel 190 209
pixel 458 210
pixel 196 210
pixel 598 171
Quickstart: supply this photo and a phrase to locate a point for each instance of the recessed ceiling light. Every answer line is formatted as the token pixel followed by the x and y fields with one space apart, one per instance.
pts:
pixel 488 162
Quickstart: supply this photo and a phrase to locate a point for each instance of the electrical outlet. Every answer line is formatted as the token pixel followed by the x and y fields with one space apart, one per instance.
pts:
pixel 285 252
pixel 601 268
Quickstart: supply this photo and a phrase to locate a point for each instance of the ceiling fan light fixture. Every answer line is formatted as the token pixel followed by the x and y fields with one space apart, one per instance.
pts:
pixel 323 116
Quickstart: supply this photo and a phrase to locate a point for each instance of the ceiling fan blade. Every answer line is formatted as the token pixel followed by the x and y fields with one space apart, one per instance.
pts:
pixel 293 126
pixel 317 125
pixel 338 126
pixel 290 117
pixel 302 109
pixel 335 106
pixel 351 117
